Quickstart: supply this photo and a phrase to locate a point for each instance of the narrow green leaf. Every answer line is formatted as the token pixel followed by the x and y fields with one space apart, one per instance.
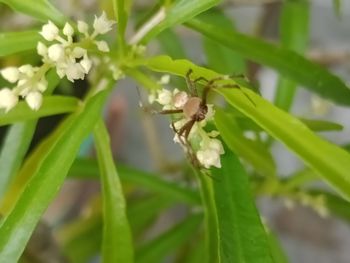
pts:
pixel 157 249
pixel 81 239
pixel 40 9
pixel 251 151
pixel 294 30
pixel 220 58
pixel 47 179
pixel 241 233
pixel 84 168
pixel 179 12
pixel 52 105
pixel 13 150
pixel 321 125
pixel 117 240
pixel 277 252
pixel 329 161
pixel 121 12
pixel 171 44
pixel 288 63
pixel 337 6
pixel 17 142
pixel 13 42
pixel 143 212
pixel 210 217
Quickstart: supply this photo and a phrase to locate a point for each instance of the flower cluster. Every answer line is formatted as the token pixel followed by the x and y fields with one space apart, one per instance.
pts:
pixel 208 147
pixel 69 58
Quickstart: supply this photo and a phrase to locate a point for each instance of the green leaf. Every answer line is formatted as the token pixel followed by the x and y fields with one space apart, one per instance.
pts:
pixel 321 125
pixel 171 44
pixel 294 29
pixel 242 237
pixel 86 169
pixel 17 142
pixel 220 58
pixel 81 239
pixel 43 10
pixel 210 217
pixel 179 12
pixel 157 249
pixel 277 252
pixel 337 5
pixel 51 106
pixel 251 151
pixel 13 42
pixel 46 180
pixel 13 150
pixel 117 241
pixel 142 212
pixel 121 12
pixel 329 161
pixel 288 63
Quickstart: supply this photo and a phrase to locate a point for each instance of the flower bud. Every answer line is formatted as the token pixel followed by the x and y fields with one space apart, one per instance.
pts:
pixel 11 74
pixel 68 30
pixel 56 52
pixel 49 31
pixel 34 100
pixel 7 99
pixel 102 46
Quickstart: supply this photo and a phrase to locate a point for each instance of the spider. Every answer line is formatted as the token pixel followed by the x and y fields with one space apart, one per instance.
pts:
pixel 195 109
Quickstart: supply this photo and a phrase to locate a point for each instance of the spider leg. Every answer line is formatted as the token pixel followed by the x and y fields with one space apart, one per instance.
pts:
pixel 236 87
pixel 165 112
pixel 190 84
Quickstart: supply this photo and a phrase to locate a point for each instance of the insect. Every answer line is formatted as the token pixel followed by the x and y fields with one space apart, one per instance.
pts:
pixel 195 109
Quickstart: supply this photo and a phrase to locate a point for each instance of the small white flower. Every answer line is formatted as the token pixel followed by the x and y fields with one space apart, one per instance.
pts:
pixel 83 27
pixel 164 97
pixel 28 70
pixel 56 52
pixel 42 84
pixel 102 25
pixel 49 31
pixel 86 63
pixel 102 46
pixel 68 30
pixel 34 100
pixel 74 71
pixel 79 52
pixel 165 79
pixel 11 74
pixel 41 49
pixel 7 99
pixel 209 158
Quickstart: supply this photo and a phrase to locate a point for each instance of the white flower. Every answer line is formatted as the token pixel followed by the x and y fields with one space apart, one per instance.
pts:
pixel 164 97
pixel 83 27
pixel 7 99
pixel 49 31
pixel 79 52
pixel 68 30
pixel 209 157
pixel 41 49
pixel 28 70
pixel 74 71
pixel 11 74
pixel 209 154
pixel 34 100
pixel 102 46
pixel 165 79
pixel 86 63
pixel 102 25
pixel 42 84
pixel 56 52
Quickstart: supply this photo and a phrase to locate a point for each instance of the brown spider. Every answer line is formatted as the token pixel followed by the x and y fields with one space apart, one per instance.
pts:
pixel 195 109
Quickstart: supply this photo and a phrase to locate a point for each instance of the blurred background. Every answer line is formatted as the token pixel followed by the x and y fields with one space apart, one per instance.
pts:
pixel 145 141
